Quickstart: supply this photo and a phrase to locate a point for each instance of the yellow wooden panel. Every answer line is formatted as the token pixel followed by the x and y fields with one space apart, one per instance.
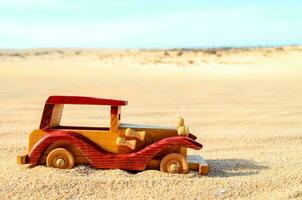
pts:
pixel 34 137
pixel 105 139
pixel 56 115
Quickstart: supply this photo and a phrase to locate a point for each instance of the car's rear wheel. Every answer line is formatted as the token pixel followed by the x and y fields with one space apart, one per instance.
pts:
pixel 60 158
pixel 174 163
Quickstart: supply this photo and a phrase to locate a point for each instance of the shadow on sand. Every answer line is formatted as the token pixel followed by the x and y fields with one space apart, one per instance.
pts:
pixel 233 167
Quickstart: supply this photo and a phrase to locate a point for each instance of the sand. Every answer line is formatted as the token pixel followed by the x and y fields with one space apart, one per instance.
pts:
pixel 245 106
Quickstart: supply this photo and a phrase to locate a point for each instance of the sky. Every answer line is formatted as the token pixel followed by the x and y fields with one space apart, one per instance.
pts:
pixel 149 23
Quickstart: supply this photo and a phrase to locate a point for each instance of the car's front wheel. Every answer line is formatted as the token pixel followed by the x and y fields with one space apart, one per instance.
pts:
pixel 174 163
pixel 60 158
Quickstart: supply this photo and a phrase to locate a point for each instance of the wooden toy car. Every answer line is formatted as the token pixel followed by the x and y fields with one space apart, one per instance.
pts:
pixel 120 146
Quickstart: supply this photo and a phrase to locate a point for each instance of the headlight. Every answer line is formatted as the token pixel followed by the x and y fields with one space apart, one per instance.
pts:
pixel 181 128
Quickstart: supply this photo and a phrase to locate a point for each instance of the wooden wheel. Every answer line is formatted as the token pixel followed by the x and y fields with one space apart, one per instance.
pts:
pixel 174 163
pixel 60 158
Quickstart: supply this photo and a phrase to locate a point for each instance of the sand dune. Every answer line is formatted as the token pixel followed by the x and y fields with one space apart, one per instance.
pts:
pixel 245 105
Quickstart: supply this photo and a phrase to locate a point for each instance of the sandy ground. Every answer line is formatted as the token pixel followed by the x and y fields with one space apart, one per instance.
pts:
pixel 245 105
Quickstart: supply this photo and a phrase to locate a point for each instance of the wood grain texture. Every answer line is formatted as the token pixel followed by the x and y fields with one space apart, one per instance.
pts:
pixel 115 113
pixel 54 107
pixel 103 136
pixel 101 159
pixel 99 146
pixel 84 100
pixel 56 116
pixel 46 116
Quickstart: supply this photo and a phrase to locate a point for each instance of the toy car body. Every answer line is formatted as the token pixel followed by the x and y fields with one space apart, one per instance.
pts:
pixel 120 146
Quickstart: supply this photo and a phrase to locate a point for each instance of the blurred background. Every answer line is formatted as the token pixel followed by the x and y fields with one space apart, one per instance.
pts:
pixel 149 24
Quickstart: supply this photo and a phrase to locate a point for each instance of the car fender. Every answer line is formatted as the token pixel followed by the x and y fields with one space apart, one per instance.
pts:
pixel 73 138
pixel 175 141
pixel 100 158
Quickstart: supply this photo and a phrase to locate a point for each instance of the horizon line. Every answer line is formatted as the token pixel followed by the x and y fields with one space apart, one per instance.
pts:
pixel 173 48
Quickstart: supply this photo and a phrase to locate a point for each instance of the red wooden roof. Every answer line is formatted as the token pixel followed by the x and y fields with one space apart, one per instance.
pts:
pixel 84 100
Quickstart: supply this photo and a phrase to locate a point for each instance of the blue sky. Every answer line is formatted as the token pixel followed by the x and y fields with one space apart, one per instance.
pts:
pixel 148 23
